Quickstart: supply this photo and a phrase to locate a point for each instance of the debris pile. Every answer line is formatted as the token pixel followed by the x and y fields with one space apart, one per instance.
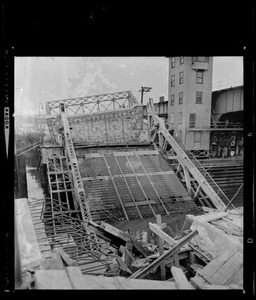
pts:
pixel 207 254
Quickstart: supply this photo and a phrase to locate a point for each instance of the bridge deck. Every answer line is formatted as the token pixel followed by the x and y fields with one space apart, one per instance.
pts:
pixel 133 184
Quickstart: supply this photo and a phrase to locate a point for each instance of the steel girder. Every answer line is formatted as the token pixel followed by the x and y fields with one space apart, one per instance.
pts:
pixel 190 165
pixel 95 103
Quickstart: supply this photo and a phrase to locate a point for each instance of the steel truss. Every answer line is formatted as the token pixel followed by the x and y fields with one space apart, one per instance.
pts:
pixel 197 180
pixel 57 228
pixel 95 103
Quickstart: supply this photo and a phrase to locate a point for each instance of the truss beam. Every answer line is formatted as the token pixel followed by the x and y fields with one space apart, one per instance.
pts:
pixel 157 124
pixel 78 183
pixel 95 103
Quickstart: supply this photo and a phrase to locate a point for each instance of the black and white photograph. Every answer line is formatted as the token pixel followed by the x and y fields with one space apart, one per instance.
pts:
pixel 127 171
pixel 129 168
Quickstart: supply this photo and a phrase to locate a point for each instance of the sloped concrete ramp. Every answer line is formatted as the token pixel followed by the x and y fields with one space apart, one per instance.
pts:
pixel 130 185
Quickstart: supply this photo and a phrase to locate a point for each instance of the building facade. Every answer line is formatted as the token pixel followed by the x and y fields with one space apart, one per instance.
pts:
pixel 189 101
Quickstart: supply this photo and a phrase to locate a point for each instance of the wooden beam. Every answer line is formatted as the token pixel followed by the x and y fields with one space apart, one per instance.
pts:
pixel 158 231
pixel 138 247
pixel 230 203
pixel 168 254
pixel 52 280
pixel 65 257
pixel 181 279
pixel 212 216
pixel 161 247
pixel 115 231
pixel 187 179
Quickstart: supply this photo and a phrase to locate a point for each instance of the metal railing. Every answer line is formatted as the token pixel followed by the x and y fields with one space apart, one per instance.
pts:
pixel 214 124
pixel 224 84
pixel 204 172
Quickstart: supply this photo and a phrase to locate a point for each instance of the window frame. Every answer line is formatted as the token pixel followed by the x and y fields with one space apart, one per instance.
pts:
pixel 192 125
pixel 181 60
pixel 180 98
pixel 173 62
pixel 201 98
pixel 172 80
pixel 172 100
pixel 199 77
pixel 181 78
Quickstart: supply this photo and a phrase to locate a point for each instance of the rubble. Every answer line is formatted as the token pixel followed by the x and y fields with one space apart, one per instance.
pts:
pixel 195 260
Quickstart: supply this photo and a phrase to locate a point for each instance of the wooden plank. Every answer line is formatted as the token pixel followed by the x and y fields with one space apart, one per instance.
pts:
pixel 198 282
pixel 54 263
pixel 181 279
pixel 123 266
pixel 138 246
pixel 236 279
pixel 212 216
pixel 161 246
pixel 213 266
pixel 29 253
pixel 171 260
pixel 115 231
pixel 76 278
pixel 52 280
pixel 228 269
pixel 118 283
pixel 157 230
pixel 215 287
pixel 168 254
pixel 65 257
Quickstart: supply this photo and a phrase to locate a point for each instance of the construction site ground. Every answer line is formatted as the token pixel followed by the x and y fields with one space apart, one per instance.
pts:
pixel 213 255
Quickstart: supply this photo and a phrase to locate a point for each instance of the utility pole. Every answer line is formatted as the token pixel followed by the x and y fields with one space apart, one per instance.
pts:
pixel 143 90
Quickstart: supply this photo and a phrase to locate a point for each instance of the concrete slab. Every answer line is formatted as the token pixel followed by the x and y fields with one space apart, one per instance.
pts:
pixel 30 255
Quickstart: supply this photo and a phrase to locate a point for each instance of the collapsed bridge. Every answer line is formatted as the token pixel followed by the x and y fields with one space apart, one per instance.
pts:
pixel 104 163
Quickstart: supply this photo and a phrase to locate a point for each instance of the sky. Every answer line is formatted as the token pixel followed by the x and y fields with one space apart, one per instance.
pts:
pixel 41 79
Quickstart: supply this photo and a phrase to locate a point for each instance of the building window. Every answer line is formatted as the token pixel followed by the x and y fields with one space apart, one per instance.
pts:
pixel 173 80
pixel 172 100
pixel 200 59
pixel 181 77
pixel 173 62
pixel 199 97
pixel 171 118
pixel 192 120
pixel 180 97
pixel 180 117
pixel 181 60
pixel 199 77
pixel 197 137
